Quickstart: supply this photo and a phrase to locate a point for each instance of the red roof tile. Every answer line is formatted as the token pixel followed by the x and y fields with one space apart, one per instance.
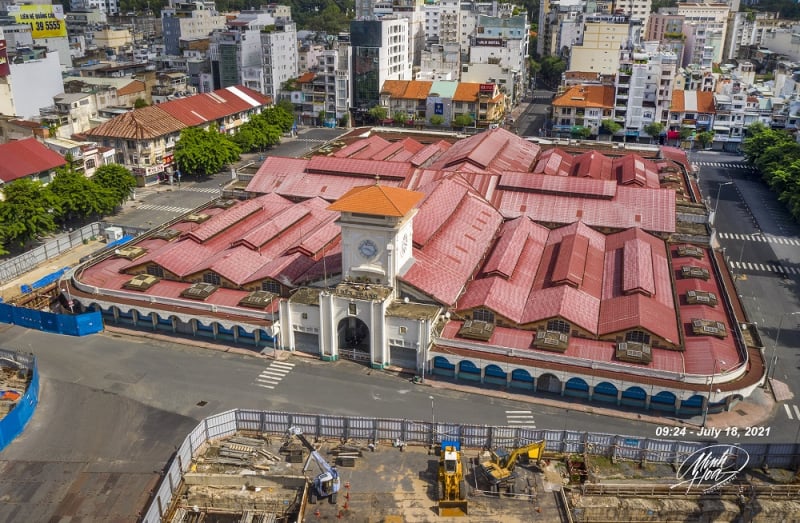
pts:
pixel 139 124
pixel 23 158
pixel 208 107
pixel 378 200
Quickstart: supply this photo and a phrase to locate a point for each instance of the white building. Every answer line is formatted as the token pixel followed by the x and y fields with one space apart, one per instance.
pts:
pixel 603 37
pixel 380 53
pixel 443 21
pixel 501 42
pixel 441 62
pixel 705 27
pixel 746 29
pixel 31 85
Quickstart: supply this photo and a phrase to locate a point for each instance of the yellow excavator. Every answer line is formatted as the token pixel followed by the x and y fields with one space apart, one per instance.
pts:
pixel 451 485
pixel 499 468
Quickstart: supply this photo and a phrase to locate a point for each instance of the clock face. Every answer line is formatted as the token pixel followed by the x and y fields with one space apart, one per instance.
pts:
pixel 367 249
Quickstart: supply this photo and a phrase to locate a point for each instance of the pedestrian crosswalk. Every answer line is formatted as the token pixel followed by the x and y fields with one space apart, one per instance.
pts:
pixel 207 190
pixel 273 374
pixel 763 267
pixel 793 412
pixel 757 237
pixel 167 208
pixel 726 165
pixel 520 418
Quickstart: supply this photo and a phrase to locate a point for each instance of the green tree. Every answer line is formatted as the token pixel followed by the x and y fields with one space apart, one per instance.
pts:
pixel 437 120
pixel 139 103
pixel 399 118
pixel 581 132
pixel 378 113
pixel 610 126
pixel 79 197
pixel 280 116
pixel 204 152
pixel 760 138
pixel 704 138
pixel 551 69
pixel 654 129
pixel 685 133
pixel 463 121
pixel 258 133
pixel 28 211
pixel 116 179
pixel 344 120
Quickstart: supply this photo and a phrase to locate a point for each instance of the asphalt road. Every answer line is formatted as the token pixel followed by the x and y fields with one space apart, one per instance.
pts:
pixel 767 267
pixel 535 117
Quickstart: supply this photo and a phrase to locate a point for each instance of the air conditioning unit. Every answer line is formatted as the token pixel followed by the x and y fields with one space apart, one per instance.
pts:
pixel 113 234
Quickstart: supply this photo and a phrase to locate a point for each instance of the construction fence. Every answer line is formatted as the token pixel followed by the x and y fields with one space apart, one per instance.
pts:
pixel 23 365
pixel 615 447
pixel 70 324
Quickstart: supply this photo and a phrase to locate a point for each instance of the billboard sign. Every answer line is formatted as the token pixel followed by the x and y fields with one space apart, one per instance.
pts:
pixel 491 42
pixel 487 88
pixel 5 69
pixel 46 21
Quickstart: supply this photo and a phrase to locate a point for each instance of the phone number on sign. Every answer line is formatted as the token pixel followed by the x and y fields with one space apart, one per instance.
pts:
pixel 728 432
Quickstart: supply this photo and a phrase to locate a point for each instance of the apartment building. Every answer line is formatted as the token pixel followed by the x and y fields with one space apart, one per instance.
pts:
pixel 186 22
pixel 603 37
pixel 705 27
pixel 443 21
pixel 691 109
pixel 502 44
pixel 322 96
pixel 379 53
pixel 29 80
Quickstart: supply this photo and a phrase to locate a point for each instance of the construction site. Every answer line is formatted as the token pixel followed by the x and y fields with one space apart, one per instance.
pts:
pixel 259 478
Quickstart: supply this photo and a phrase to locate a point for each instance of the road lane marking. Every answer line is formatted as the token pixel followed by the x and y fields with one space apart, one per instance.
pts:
pixel 788 410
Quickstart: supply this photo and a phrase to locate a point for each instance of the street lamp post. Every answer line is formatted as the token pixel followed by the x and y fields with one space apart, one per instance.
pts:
pixel 773 359
pixel 433 420
pixel 710 390
pixel 716 204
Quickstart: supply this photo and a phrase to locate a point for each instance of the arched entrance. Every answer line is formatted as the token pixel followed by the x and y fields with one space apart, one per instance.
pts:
pixel 548 383
pixel 353 339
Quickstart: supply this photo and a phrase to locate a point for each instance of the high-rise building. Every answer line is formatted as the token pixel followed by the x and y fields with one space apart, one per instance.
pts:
pixel 380 53
pixel 184 22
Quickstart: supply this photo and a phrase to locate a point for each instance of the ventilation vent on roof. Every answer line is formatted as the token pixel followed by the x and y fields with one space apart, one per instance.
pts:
pixel 697 297
pixel 141 282
pixel 224 203
pixel 690 250
pixel 199 291
pixel 476 330
pixel 703 327
pixel 634 352
pixel 166 234
pixel 257 299
pixel 196 218
pixel 130 253
pixel 551 340
pixel 690 271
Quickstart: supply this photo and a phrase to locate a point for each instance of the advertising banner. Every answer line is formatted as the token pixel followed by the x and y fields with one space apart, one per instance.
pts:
pixel 46 21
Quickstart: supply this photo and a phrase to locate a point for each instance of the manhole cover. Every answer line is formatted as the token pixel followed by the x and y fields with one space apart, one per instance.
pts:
pixel 202 403
pixel 740 412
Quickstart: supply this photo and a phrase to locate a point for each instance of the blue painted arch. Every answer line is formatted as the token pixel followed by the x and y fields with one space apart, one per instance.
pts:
pixel 576 388
pixel 494 375
pixel 443 367
pixel 521 379
pixel 468 371
pixel 664 400
pixel 634 397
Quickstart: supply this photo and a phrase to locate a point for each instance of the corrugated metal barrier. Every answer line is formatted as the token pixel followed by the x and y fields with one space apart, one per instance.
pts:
pixel 14 422
pixel 71 324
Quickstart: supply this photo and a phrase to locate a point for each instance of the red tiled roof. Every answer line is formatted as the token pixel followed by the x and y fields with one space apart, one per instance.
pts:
pixel 600 96
pixel 378 200
pixel 306 78
pixel 692 101
pixel 632 169
pixel 351 166
pixel 22 158
pixel 496 150
pixel 362 148
pixel 135 86
pixel 207 107
pixel 139 124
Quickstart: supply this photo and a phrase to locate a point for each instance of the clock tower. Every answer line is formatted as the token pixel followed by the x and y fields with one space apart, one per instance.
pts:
pixel 376 224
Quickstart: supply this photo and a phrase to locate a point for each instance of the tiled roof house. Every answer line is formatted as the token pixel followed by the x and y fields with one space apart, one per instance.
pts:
pixel 145 138
pixel 557 268
pixel 28 158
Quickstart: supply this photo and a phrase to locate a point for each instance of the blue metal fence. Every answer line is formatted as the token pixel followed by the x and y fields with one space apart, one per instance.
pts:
pixel 14 422
pixel 71 324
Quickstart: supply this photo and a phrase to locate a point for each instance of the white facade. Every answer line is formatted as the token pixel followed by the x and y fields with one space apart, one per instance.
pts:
pixel 644 87
pixel 31 86
pixel 441 62
pixel 191 21
pixel 443 21
pixel 278 58
pixel 705 26
pixel 636 9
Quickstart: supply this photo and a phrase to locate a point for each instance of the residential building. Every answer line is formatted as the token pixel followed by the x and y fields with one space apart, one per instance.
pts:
pixel 183 23
pixel 483 103
pixel 748 29
pixel 693 110
pixel 488 261
pixel 108 7
pixel 380 53
pixel 31 80
pixel 603 37
pixel 406 98
pixel 501 42
pixel 704 26
pixel 665 25
pixel 582 106
pixel 322 96
pixel 86 157
pixel 171 85
pixel 13 128
pixel 635 9
pixel 441 62
pixel 145 138
pixel 442 22
pixel 109 91
pixel 27 158
pixel 560 26
pixel 257 50
pixel 116 40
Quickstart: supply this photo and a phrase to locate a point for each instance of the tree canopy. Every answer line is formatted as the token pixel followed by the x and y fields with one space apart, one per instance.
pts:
pixel 777 157
pixel 116 179
pixel 204 152
pixel 79 197
pixel 28 210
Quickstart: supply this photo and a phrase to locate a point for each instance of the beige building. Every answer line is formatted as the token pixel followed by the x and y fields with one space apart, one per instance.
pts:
pixel 113 38
pixel 603 37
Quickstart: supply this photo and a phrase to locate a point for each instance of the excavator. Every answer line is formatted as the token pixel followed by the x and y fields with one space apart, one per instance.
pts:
pixel 326 485
pixel 451 487
pixel 499 469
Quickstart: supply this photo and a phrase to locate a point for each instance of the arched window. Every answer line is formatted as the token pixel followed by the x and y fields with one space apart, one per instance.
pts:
pixel 638 336
pixel 558 326
pixel 483 315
